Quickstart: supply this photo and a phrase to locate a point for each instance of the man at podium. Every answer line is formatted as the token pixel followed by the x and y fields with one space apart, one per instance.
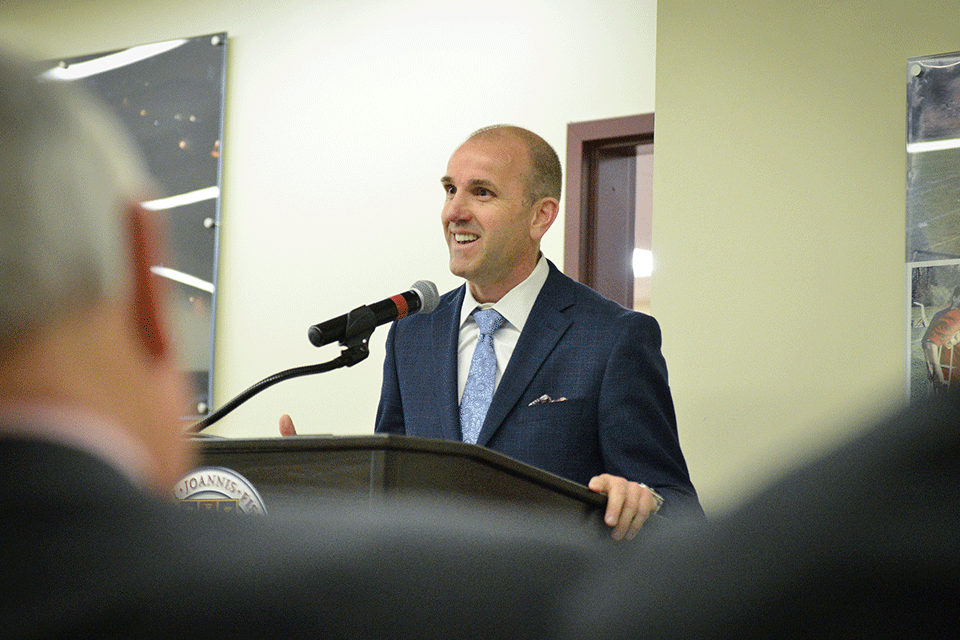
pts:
pixel 528 362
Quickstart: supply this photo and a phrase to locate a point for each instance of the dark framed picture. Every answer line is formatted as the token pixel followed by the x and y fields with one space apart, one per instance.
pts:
pixel 170 96
pixel 933 223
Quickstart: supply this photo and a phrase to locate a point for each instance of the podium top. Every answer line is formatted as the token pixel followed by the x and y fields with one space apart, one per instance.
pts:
pixel 216 447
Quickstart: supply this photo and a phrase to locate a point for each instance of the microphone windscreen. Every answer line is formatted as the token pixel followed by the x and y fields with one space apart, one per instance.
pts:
pixel 429 296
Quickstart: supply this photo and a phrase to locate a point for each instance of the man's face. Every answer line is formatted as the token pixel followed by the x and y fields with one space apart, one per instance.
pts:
pixel 487 219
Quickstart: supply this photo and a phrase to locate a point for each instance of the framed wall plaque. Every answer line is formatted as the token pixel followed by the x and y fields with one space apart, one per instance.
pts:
pixel 170 95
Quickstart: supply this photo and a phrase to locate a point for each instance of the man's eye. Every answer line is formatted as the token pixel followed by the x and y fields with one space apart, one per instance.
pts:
pixel 449 189
pixel 484 193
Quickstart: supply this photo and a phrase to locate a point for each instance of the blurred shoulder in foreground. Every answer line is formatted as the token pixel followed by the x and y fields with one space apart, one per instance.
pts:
pixel 864 542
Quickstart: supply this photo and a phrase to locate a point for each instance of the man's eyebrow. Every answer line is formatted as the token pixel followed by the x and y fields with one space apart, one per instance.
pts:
pixel 483 183
pixel 477 182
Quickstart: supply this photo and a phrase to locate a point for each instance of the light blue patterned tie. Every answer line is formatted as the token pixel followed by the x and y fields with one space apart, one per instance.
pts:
pixel 478 391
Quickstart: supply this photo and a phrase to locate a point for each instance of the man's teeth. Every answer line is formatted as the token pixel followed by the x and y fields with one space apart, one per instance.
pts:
pixel 464 237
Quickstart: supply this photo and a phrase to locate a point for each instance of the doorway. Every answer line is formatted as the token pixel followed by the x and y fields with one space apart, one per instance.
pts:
pixel 608 207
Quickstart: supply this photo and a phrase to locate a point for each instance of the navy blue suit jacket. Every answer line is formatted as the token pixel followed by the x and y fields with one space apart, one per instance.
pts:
pixel 617 416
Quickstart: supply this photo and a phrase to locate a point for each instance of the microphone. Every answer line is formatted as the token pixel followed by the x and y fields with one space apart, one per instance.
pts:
pixel 422 296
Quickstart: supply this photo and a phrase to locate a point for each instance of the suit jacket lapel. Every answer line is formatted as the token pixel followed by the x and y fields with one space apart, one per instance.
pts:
pixel 446 336
pixel 544 328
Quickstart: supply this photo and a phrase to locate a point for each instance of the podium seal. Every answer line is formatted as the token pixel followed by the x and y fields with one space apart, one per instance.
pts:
pixel 219 490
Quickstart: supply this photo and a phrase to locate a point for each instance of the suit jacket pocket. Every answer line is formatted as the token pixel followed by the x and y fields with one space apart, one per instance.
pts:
pixel 564 414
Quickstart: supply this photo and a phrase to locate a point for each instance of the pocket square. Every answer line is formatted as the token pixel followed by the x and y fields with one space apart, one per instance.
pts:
pixel 545 399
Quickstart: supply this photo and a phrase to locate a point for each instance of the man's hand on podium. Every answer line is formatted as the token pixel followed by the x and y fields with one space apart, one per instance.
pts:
pixel 629 504
pixel 286 426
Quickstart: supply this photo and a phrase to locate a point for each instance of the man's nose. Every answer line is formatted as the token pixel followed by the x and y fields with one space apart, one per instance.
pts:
pixel 456 209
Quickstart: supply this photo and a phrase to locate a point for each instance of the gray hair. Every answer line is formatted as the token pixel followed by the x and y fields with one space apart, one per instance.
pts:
pixel 66 176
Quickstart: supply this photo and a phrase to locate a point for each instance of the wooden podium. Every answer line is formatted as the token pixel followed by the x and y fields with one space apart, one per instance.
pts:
pixel 372 469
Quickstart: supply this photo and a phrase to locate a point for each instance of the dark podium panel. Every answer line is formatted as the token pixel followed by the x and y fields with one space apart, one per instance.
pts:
pixel 371 469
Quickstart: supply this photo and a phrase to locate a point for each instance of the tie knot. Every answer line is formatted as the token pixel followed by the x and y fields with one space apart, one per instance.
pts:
pixel 488 320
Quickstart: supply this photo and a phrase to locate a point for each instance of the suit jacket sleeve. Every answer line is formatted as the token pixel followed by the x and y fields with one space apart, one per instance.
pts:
pixel 390 409
pixel 636 421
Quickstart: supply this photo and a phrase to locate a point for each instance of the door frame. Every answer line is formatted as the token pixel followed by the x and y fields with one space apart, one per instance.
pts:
pixel 584 142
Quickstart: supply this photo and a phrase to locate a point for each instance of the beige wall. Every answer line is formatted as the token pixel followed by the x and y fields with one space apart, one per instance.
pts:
pixel 779 223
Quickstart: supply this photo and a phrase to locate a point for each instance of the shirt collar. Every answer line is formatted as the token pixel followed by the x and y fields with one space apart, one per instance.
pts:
pixel 516 304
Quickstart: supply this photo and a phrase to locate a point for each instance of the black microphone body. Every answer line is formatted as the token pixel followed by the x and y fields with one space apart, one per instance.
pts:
pixel 422 296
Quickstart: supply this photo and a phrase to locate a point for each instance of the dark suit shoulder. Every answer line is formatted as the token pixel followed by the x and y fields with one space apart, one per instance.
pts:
pixel 861 542
pixel 567 295
pixel 48 475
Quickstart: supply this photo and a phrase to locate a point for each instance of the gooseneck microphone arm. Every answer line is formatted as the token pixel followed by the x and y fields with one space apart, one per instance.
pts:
pixel 352 330
pixel 356 349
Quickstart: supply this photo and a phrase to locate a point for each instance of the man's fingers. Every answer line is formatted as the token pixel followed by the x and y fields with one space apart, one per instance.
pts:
pixel 286 426
pixel 636 524
pixel 614 491
pixel 629 504
pixel 627 521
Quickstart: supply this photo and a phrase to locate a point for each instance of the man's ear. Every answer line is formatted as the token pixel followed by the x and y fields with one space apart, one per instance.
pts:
pixel 145 247
pixel 545 212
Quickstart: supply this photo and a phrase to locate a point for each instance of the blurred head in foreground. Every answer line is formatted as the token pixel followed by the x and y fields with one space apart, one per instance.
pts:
pixel 84 357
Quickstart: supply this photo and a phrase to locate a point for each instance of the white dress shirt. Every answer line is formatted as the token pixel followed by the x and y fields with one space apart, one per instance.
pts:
pixel 515 307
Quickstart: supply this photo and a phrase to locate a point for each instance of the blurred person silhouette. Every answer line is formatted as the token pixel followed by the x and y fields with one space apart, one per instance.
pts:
pixel 863 542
